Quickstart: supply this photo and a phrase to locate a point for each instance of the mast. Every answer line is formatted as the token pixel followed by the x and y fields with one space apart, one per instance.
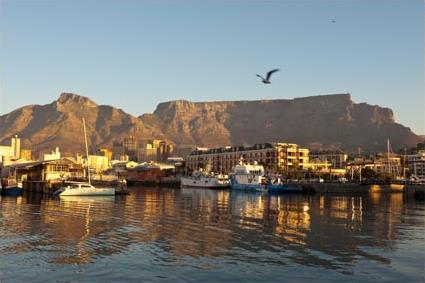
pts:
pixel 87 150
pixel 388 157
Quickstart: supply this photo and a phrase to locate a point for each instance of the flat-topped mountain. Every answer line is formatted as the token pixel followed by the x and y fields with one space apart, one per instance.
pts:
pixel 326 121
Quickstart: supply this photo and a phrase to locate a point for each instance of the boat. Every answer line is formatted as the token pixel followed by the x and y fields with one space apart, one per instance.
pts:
pixel 248 177
pixel 276 185
pixel 11 187
pixel 83 188
pixel 199 180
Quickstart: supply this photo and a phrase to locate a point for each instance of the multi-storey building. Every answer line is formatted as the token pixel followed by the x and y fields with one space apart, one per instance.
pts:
pixel 155 150
pixel 11 152
pixel 276 157
pixel 117 150
pixel 105 152
pixel 98 163
pixel 26 154
pixel 337 158
pixel 130 147
pixel 416 164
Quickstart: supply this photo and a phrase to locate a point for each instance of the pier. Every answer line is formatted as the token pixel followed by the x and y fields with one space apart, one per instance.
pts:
pixel 416 191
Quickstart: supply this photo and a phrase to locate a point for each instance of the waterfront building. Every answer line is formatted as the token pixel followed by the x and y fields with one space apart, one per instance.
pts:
pixel 385 165
pixel 54 155
pixel 105 152
pixel 319 166
pixel 337 158
pixel 98 163
pixel 26 154
pixel 416 164
pixel 49 170
pixel 275 157
pixel 12 151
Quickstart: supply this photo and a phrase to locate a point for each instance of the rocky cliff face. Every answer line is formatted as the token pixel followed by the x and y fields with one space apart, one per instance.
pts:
pixel 60 124
pixel 329 121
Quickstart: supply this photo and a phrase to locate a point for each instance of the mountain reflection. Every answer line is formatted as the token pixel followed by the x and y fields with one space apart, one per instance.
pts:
pixel 172 226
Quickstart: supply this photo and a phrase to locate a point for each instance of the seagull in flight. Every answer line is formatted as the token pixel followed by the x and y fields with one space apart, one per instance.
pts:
pixel 333 21
pixel 267 79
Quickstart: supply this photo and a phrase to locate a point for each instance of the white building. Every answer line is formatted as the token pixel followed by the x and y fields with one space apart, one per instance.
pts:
pixel 54 155
pixel 416 164
pixel 12 151
pixel 98 163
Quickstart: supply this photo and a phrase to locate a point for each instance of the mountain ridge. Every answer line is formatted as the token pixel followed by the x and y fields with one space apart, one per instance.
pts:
pixel 322 121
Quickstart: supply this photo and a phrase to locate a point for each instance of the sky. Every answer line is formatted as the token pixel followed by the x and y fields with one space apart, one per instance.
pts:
pixel 136 54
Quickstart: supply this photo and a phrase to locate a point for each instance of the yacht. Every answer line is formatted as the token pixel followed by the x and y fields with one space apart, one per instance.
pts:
pixel 83 189
pixel 211 181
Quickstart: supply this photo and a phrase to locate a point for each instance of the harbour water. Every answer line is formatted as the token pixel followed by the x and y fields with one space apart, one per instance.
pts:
pixel 201 235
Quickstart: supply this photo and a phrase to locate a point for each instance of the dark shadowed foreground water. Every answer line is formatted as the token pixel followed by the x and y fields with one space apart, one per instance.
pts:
pixel 196 235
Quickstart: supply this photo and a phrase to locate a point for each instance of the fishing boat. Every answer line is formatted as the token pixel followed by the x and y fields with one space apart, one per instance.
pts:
pixel 248 177
pixel 83 189
pixel 211 181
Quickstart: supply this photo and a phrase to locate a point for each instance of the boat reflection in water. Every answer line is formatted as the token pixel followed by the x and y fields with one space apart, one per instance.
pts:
pixel 177 234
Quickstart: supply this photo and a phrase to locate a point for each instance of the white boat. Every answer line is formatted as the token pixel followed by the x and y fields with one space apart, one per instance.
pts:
pixel 83 189
pixel 248 177
pixel 199 180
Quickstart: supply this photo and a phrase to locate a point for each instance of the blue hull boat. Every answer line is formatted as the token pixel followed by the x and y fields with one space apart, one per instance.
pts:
pixel 247 187
pixel 12 191
pixel 284 188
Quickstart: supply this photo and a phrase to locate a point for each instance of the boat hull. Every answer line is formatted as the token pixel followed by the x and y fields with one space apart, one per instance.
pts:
pixel 253 187
pixel 88 192
pixel 284 188
pixel 12 191
pixel 208 183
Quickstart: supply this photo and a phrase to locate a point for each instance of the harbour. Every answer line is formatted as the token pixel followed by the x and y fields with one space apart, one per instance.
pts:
pixel 212 141
pixel 192 234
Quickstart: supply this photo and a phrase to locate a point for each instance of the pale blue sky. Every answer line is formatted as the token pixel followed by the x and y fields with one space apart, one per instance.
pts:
pixel 135 54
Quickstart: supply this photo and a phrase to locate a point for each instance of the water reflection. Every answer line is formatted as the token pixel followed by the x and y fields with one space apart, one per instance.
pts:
pixel 173 227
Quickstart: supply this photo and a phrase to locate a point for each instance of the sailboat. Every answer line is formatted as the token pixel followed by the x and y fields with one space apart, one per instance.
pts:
pixel 82 188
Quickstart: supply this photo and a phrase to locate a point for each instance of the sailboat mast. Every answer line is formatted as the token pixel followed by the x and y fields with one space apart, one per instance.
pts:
pixel 388 157
pixel 87 150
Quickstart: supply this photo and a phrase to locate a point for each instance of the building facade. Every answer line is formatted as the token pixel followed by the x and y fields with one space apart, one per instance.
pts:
pixel 130 147
pixel 275 157
pixel 12 151
pixel 337 158
pixel 98 163
pixel 416 164
pixel 155 151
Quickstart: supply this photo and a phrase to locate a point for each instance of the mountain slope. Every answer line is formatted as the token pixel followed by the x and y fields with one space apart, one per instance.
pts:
pixel 328 121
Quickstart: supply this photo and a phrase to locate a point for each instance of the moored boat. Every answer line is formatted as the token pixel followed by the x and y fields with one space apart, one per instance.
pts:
pixel 276 185
pixel 248 177
pixel 10 187
pixel 198 180
pixel 83 189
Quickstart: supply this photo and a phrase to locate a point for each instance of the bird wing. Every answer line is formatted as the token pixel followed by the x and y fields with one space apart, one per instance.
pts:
pixel 269 74
pixel 260 76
